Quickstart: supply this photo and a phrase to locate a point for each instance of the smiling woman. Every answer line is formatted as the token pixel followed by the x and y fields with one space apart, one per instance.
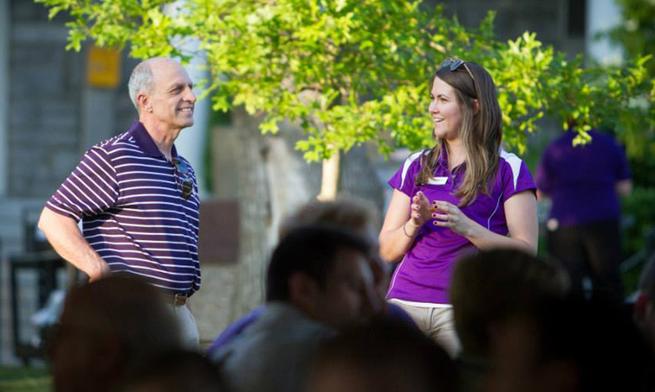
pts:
pixel 463 194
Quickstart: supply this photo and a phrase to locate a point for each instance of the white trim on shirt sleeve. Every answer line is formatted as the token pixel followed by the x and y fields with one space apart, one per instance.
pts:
pixel 407 164
pixel 514 163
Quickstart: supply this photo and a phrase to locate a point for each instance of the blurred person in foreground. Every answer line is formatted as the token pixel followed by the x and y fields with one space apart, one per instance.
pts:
pixel 348 213
pixel 584 183
pixel 176 371
pixel 570 345
pixel 319 280
pixel 462 195
pixel 488 288
pixel 107 329
pixel 385 355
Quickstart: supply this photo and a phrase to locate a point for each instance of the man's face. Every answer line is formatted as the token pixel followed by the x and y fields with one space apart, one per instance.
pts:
pixel 349 292
pixel 172 99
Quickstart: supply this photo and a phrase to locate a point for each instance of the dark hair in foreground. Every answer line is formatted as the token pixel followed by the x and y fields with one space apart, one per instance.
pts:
pixel 347 212
pixel 311 250
pixel 106 328
pixel 601 341
pixel 383 356
pixel 176 371
pixel 491 286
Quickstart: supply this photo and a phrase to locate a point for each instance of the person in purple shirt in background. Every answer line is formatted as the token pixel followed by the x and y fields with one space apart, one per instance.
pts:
pixel 584 184
pixel 463 194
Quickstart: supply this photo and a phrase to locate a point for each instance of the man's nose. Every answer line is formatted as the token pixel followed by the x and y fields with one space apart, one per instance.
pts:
pixel 190 96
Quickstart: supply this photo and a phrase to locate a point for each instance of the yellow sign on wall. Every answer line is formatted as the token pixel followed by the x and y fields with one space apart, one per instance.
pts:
pixel 103 67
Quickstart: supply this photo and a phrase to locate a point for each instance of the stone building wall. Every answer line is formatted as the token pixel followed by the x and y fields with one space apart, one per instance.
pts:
pixel 49 125
pixel 44 97
pixel 557 22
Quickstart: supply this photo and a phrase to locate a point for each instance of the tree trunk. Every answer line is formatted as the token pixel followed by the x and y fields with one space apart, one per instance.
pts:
pixel 330 178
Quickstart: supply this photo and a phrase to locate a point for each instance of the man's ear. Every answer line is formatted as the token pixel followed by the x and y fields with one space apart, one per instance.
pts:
pixel 303 292
pixel 143 102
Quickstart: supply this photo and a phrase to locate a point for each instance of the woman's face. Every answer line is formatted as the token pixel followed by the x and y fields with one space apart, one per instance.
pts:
pixel 445 110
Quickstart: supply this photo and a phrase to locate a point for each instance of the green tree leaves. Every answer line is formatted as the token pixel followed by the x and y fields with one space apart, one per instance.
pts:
pixel 353 71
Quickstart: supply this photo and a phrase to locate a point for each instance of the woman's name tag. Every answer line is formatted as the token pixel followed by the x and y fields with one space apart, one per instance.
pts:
pixel 437 180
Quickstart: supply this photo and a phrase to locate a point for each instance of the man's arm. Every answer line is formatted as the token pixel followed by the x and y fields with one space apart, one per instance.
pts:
pixel 65 237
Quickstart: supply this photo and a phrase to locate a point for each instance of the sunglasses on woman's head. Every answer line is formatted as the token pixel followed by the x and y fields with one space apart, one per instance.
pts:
pixel 183 177
pixel 453 64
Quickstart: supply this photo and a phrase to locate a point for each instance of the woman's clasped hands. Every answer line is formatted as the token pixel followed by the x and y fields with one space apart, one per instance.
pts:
pixel 445 214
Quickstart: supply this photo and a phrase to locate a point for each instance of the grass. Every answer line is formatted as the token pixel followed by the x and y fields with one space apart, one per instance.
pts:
pixel 24 379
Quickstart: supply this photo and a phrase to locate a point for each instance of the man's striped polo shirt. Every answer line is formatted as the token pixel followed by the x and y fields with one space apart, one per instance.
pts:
pixel 134 215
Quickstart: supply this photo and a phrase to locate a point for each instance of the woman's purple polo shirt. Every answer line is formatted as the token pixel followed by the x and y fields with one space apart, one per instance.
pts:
pixel 424 273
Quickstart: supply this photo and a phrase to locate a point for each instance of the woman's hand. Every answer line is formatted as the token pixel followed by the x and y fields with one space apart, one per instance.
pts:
pixel 449 215
pixel 420 210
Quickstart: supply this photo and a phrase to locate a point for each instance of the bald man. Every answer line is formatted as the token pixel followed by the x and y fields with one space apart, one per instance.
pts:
pixel 136 197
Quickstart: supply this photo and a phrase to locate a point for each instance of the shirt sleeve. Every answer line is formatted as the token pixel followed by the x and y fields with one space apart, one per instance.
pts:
pixel 516 179
pixel 404 178
pixel 89 190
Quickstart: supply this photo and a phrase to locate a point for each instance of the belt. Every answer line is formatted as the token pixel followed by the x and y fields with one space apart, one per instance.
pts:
pixel 175 299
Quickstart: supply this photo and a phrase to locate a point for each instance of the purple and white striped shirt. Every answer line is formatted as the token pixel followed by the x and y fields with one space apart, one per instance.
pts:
pixel 133 212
